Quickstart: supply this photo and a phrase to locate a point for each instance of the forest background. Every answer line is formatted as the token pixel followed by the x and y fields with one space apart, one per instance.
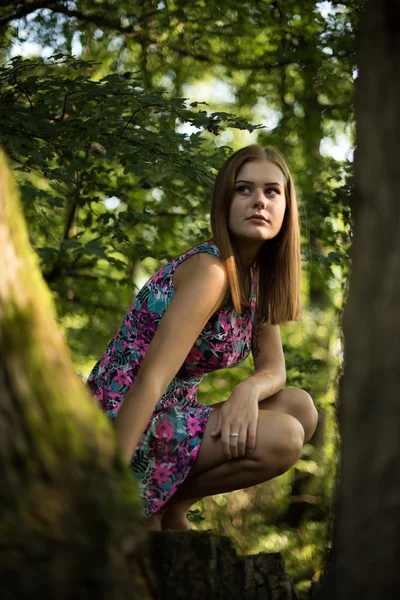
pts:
pixel 115 117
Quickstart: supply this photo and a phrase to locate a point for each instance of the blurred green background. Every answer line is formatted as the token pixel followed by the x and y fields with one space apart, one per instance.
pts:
pixel 116 116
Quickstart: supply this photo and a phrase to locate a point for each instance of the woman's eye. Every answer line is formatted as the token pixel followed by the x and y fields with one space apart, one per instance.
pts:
pixel 268 191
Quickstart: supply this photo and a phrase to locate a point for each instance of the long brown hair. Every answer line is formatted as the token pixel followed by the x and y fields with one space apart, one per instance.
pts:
pixel 278 263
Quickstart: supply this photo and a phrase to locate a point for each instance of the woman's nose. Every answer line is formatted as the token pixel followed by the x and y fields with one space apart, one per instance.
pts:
pixel 259 198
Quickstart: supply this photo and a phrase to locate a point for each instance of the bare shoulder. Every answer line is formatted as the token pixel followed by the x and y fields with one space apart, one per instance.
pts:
pixel 201 269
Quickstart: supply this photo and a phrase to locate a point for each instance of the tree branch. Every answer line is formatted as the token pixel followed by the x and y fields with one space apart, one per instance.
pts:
pixel 23 12
pixel 269 62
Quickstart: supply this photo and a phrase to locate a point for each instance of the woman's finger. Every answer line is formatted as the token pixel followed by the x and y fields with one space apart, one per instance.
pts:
pixel 233 440
pixel 217 430
pixel 242 441
pixel 225 440
pixel 251 437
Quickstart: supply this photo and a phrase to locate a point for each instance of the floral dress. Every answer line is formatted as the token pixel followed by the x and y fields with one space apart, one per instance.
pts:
pixel 173 435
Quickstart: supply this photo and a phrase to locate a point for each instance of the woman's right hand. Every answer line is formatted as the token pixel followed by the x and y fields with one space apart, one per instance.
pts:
pixel 238 414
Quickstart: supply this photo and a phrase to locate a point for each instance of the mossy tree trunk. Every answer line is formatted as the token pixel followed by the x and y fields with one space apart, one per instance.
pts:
pixel 366 546
pixel 70 523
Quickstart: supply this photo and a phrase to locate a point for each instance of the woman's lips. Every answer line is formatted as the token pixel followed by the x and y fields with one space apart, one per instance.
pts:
pixel 258 219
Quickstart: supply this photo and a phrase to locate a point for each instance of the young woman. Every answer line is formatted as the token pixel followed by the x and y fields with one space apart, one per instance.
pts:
pixel 204 311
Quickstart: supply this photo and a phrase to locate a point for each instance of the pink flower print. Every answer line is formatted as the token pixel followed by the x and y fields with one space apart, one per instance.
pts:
pixel 122 378
pixel 174 487
pixel 164 430
pixel 162 475
pixel 124 345
pixel 104 360
pixel 224 324
pixel 195 355
pixel 139 344
pixel 237 356
pixel 151 316
pixel 113 405
pixel 234 358
pixel 213 360
pixel 218 347
pixel 194 425
pixel 155 449
pixel 158 276
pixel 194 452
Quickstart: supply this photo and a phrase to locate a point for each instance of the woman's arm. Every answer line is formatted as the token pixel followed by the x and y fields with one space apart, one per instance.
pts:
pixel 239 414
pixel 200 285
pixel 269 362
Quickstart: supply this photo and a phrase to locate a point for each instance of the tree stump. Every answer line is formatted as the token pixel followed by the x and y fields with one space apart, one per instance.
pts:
pixel 200 565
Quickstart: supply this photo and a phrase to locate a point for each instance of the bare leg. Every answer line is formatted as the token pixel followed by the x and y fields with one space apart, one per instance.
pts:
pixel 221 475
pixel 295 402
pixel 154 522
pixel 280 439
pixel 175 516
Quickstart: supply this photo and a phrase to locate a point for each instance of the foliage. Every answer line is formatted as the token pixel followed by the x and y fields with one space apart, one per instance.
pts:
pixel 77 142
pixel 116 151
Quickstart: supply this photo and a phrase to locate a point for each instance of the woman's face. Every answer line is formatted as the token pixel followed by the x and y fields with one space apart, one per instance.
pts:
pixel 259 203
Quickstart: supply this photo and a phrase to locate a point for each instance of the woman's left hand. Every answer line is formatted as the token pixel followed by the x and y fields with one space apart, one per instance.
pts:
pixel 239 414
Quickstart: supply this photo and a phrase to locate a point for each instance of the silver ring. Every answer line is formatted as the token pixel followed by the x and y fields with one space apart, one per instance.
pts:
pixel 234 435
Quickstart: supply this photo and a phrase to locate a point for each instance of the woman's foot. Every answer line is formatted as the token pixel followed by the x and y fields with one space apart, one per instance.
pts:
pixel 175 519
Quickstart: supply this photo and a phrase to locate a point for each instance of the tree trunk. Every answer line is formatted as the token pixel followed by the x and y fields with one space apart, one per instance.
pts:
pixel 366 547
pixel 195 565
pixel 70 525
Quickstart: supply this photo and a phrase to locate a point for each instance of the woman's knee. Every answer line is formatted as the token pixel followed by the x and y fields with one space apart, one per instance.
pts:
pixel 282 440
pixel 301 406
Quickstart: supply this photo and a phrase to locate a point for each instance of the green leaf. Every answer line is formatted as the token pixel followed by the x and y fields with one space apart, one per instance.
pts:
pixel 54 201
pixel 94 248
pixel 47 252
pixel 71 244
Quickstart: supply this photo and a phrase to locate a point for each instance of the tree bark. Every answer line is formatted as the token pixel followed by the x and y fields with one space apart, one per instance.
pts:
pixel 366 546
pixel 202 565
pixel 70 524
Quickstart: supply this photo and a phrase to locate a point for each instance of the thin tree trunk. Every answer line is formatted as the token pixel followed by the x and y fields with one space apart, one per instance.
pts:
pixel 366 547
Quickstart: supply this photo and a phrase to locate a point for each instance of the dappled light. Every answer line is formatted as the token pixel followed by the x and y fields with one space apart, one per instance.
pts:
pixel 122 114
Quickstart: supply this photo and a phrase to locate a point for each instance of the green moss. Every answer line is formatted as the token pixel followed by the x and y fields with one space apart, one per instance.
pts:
pixel 62 460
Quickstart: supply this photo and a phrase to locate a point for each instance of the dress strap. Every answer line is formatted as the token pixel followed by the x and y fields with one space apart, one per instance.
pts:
pixel 208 247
